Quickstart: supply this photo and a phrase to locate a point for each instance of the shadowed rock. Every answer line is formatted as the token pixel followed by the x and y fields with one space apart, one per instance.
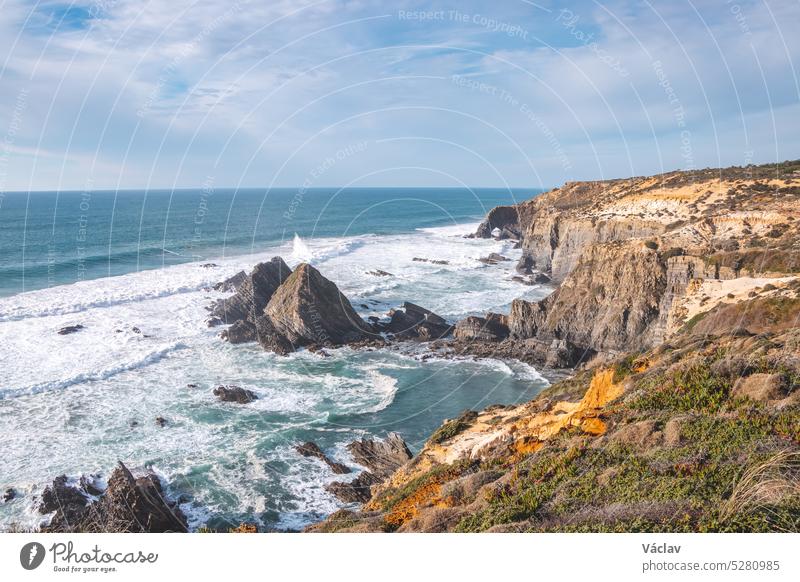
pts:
pixel 129 504
pixel 493 327
pixel 503 218
pixel 359 490
pixel 381 458
pixel 231 283
pixel 235 394
pixel 241 332
pixel 252 294
pixel 70 329
pixel 416 323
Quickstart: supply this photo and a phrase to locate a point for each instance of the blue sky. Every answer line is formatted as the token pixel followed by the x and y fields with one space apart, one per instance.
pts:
pixel 176 93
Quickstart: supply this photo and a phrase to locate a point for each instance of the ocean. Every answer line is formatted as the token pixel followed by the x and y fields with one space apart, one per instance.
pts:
pixel 136 268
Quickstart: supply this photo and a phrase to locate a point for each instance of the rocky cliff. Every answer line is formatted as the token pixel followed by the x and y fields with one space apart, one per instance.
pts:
pixel 679 295
pixel 635 259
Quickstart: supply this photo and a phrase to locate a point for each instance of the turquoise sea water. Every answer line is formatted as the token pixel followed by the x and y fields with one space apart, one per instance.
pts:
pixel 135 270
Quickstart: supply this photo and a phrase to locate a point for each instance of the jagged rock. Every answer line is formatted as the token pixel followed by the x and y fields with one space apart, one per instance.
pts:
pixel 525 265
pixel 70 329
pixel 415 322
pixel 541 278
pixel 381 457
pixel 9 495
pixel 493 259
pixel 500 217
pixel 241 332
pixel 380 273
pixel 67 500
pixel 235 394
pixel 253 293
pixel 356 491
pixel 493 327
pixel 231 283
pixel 138 505
pixel 308 309
pixel 610 310
pixel 270 338
pixel 311 449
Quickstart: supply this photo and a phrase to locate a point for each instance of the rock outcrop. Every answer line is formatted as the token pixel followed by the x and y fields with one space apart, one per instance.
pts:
pixel 597 451
pixel 128 504
pixel 413 322
pixel 252 294
pixel 493 327
pixel 381 458
pixel 503 218
pixel 231 283
pixel 235 394
pixel 308 309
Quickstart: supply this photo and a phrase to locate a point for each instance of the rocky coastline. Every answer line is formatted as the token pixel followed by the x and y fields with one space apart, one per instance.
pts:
pixel 675 313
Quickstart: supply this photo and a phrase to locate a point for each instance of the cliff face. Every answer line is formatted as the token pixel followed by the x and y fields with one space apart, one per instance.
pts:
pixel 635 258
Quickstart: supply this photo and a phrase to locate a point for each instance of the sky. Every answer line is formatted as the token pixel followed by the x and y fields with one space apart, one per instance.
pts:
pixel 110 94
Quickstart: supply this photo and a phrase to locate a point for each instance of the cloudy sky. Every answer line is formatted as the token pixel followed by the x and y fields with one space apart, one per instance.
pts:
pixel 181 93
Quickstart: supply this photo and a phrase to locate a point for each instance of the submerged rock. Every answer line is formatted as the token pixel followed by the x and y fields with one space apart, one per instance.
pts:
pixel 432 261
pixel 380 273
pixel 68 501
pixel 235 394
pixel 9 495
pixel 311 449
pixel 493 259
pixel 70 329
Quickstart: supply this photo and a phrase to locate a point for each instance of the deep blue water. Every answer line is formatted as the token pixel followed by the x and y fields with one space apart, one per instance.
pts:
pixel 54 238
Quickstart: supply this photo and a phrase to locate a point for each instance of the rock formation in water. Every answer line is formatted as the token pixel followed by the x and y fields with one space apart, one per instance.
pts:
pixel 412 322
pixel 308 309
pixel 235 394
pixel 128 504
pixel 252 293
pixel 381 458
